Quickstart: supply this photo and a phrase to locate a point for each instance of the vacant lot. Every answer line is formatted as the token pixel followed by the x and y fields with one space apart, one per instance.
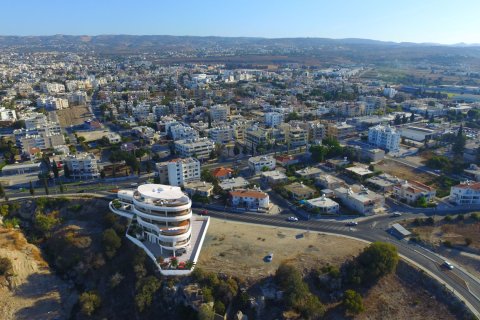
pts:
pixel 392 298
pixel 403 172
pixel 73 116
pixel 239 249
pixel 33 292
pixel 455 234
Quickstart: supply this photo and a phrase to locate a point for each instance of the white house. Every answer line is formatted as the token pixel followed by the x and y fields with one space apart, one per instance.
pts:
pixel 250 199
pixel 323 205
pixel 465 193
pixel 256 164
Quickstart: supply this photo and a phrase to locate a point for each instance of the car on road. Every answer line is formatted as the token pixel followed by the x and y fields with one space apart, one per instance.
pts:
pixel 448 265
pixel 292 219
pixel 352 223
pixel 134 184
pixel 269 257
pixel 396 214
pixel 203 212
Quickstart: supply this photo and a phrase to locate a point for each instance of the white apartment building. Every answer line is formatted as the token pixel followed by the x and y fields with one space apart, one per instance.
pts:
pixel 161 223
pixel 465 193
pixel 52 88
pixel 199 148
pixel 256 164
pixel 297 137
pixel 182 171
pixel 224 134
pixel 113 137
pixel 384 137
pixel 82 166
pixel 52 103
pixel 181 131
pixel 273 119
pixel 250 199
pixel 219 113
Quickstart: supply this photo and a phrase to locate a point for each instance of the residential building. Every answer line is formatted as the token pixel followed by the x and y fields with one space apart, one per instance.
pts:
pixel 181 171
pixel 219 113
pixel 257 164
pixel 297 137
pixel 161 172
pixel 199 148
pixel 7 116
pixel 222 135
pixel 309 172
pixel 82 166
pixel 222 173
pixel 411 191
pixel 340 130
pixel 234 183
pixel 299 191
pixel 113 138
pixel 323 205
pixel 21 168
pixel 364 202
pixel 274 177
pixel 465 193
pixel 161 221
pixel 250 199
pixel 201 188
pixel 286 160
pixel 181 131
pixel 273 119
pixel 383 182
pixel 327 181
pixel 384 137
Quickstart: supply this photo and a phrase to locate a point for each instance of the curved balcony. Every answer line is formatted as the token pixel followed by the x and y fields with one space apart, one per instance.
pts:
pixel 121 211
pixel 176 233
pixel 166 218
pixel 155 204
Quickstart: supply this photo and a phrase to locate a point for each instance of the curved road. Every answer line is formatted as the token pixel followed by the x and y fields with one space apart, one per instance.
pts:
pixel 370 229
pixel 463 284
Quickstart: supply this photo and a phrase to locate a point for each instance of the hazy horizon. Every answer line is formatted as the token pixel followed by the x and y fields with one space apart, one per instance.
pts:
pixel 439 22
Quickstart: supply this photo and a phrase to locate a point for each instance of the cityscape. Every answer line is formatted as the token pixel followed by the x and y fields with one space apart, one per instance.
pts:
pixel 200 176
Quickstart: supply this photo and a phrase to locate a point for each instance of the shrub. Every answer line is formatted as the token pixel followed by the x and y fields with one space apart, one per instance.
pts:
pixel 11 223
pixel 475 216
pixel 46 222
pixel 219 307
pixel 205 312
pixel 146 288
pixel 353 302
pixel 447 244
pixel 111 242
pixel 5 266
pixel 468 241
pixel 89 302
pixel 375 261
pixel 448 218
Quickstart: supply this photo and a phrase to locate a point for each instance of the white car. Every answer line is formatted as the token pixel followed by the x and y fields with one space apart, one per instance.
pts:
pixel 269 257
pixel 292 219
pixel 352 223
pixel 448 265
pixel 396 214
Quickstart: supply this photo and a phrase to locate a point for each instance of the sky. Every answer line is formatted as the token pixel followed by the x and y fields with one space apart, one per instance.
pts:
pixel 438 21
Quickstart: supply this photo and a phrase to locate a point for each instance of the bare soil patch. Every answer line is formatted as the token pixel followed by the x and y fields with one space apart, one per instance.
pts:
pixel 239 249
pixel 33 292
pixel 73 116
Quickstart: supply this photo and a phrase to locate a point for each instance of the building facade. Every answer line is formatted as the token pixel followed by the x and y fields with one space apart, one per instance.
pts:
pixel 82 166
pixel 465 193
pixel 181 171
pixel 384 137
pixel 257 164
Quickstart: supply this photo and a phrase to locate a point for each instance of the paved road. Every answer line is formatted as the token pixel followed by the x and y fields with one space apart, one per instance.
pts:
pixel 369 229
pixel 375 229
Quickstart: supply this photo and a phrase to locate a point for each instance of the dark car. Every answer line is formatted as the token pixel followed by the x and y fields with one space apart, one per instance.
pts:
pixel 180 252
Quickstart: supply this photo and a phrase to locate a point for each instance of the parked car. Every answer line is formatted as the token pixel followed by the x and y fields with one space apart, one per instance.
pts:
pixel 269 257
pixel 396 214
pixel 448 265
pixel 292 219
pixel 352 223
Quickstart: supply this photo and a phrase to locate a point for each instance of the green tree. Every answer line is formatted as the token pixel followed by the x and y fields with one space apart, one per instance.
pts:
pixel 146 288
pixel 89 302
pixel 46 222
pixel 205 312
pixel 377 260
pixel 111 242
pixel 55 169
pixel 412 117
pixel 62 190
pixel 219 307
pixel 236 150
pixel 460 141
pixel 32 190
pixel 2 191
pixel 66 171
pixel 353 302
pixel 45 185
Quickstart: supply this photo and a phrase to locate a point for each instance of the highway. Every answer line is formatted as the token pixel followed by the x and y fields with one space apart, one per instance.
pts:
pixel 463 284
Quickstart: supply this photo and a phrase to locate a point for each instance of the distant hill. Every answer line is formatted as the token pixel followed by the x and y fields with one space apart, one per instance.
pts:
pixel 192 48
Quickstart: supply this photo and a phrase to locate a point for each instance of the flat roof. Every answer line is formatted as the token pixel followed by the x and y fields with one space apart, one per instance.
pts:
pixel 160 191
pixel 17 166
pixel 399 228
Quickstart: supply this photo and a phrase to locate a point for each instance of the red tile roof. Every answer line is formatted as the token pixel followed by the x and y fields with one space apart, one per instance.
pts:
pixel 222 172
pixel 242 193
